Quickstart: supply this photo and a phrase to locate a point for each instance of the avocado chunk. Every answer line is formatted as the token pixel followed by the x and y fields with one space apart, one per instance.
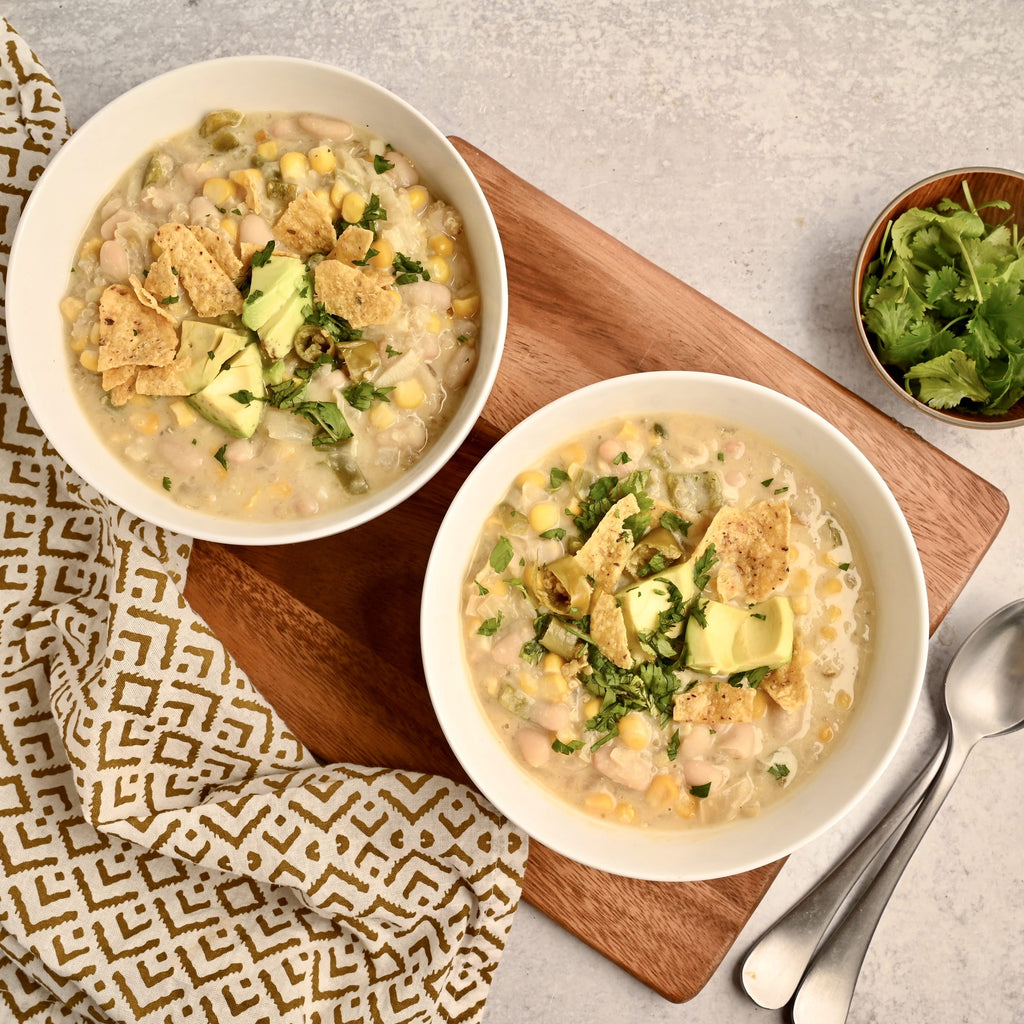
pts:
pixel 740 639
pixel 643 603
pixel 207 347
pixel 278 295
pixel 244 372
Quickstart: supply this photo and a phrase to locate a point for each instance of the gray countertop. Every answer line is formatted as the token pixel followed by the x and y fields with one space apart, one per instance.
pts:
pixel 745 147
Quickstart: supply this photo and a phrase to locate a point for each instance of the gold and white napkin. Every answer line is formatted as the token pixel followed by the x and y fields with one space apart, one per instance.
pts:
pixel 168 850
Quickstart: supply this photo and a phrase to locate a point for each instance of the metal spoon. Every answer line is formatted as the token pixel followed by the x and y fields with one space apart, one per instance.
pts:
pixel 984 697
pixel 777 961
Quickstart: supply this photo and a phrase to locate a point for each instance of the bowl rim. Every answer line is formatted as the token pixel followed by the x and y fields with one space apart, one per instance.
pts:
pixel 865 253
pixel 87 145
pixel 664 855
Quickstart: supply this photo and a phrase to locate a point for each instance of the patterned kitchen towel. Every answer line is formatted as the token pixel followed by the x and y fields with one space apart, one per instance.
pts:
pixel 169 852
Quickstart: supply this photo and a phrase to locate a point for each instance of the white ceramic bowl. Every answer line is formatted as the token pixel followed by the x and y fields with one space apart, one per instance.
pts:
pixel 886 698
pixel 89 165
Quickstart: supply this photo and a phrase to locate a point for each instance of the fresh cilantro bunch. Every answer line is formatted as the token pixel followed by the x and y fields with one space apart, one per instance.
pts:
pixel 944 302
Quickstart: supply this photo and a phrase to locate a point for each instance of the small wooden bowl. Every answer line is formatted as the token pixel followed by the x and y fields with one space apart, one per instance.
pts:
pixel 985 184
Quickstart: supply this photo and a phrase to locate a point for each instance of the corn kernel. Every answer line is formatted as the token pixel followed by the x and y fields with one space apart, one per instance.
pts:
pixel 628 431
pixel 90 359
pixel 78 342
pixel 662 793
pixel 385 254
pixel 267 150
pixel 591 708
pixel 828 632
pixel 634 731
pixel 760 704
pixel 826 733
pixel 280 489
pixel 381 416
pixel 532 477
pixel 498 587
pixel 337 194
pixel 219 191
pixel 183 413
pixel 91 248
pixel 599 803
pixel 230 228
pixel 353 206
pixel 147 425
pixel 439 269
pixel 473 623
pixel 432 323
pixel 543 516
pixel 801 580
pixel 834 613
pixel 408 394
pixel 806 656
pixel 94 333
pixel 844 699
pixel 801 604
pixel 294 166
pixel 441 244
pixel 573 453
pixel 70 307
pixel 417 196
pixel 466 308
pixel 626 813
pixel 552 662
pixel 832 586
pixel 322 159
pixel 528 683
pixel 552 687
pixel 687 806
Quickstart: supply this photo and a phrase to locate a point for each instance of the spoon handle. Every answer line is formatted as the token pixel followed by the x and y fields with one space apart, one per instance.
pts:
pixel 825 994
pixel 773 967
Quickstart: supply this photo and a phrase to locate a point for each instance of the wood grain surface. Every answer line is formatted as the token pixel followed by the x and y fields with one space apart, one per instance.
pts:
pixel 328 630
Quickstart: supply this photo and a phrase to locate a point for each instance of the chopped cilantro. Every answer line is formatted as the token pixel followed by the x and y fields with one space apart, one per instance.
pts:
pixel 779 770
pixel 362 395
pixel 490 626
pixel 481 589
pixel 380 165
pixel 673 746
pixel 555 533
pixel 219 455
pixel 566 748
pixel 556 478
pixel 501 555
pixel 674 521
pixel 261 258
pixel 407 270
pixel 701 791
pixel 621 459
pixel 167 483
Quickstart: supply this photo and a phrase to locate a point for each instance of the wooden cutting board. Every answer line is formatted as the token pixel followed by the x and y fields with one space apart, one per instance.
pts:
pixel 328 630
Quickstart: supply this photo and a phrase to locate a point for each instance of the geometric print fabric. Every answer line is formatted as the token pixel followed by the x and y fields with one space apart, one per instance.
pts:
pixel 169 851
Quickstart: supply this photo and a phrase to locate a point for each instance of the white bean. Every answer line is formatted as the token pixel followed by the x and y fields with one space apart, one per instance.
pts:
pixel 630 768
pixel 326 127
pixel 740 740
pixel 284 128
pixel 402 173
pixel 255 230
pixel 700 773
pixel 239 452
pixel 551 716
pixel 506 650
pixel 460 367
pixel 534 745
pixel 431 294
pixel 109 226
pixel 201 211
pixel 696 742
pixel 114 261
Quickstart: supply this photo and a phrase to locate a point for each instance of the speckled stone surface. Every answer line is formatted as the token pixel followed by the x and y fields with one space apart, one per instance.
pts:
pixel 746 147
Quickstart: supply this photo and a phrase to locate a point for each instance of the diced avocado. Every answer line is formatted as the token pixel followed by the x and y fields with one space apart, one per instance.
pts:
pixel 273 284
pixel 277 335
pixel 244 372
pixel 207 347
pixel 275 373
pixel 644 602
pixel 740 639
pixel 695 492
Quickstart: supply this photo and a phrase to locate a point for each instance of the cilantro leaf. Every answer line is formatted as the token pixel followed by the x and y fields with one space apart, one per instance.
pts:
pixel 947 380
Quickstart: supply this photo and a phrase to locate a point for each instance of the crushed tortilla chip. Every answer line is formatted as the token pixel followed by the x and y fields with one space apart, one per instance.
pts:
pixel 133 332
pixel 608 628
pixel 787 685
pixel 353 244
pixel 606 551
pixel 307 225
pixel 222 249
pixel 161 282
pixel 163 380
pixel 121 394
pixel 210 289
pixel 118 375
pixel 752 547
pixel 711 701
pixel 361 297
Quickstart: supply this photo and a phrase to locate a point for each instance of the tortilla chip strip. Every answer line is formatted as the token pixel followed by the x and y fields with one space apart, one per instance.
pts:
pixel 608 628
pixel 752 547
pixel 787 685
pixel 353 244
pixel 360 297
pixel 133 332
pixel 210 289
pixel 163 380
pixel 161 282
pixel 222 249
pixel 711 701
pixel 606 551
pixel 307 225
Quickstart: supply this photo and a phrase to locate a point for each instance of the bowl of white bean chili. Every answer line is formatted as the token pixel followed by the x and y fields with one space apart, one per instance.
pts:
pixel 674 625
pixel 257 300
